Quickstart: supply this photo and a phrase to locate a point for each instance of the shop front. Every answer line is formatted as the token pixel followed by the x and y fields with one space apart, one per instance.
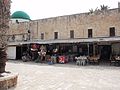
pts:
pixel 96 49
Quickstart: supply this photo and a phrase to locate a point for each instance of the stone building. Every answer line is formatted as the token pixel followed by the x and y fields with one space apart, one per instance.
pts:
pixel 84 33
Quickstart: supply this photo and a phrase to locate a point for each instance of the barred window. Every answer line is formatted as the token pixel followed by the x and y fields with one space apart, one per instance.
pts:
pixel 42 36
pixel 72 34
pixel 89 33
pixel 55 35
pixel 112 31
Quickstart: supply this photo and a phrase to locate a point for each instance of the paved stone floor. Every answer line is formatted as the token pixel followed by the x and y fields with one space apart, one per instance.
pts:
pixel 36 76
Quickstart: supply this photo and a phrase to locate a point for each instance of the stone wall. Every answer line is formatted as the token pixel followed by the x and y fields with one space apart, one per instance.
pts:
pixel 99 22
pixel 8 81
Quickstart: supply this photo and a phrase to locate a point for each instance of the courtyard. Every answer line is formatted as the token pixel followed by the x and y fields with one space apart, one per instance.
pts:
pixel 36 76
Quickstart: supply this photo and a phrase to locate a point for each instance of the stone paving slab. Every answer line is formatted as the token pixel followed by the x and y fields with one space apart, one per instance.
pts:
pixel 36 76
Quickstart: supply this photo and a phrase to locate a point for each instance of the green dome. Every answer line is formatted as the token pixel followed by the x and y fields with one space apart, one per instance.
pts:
pixel 20 15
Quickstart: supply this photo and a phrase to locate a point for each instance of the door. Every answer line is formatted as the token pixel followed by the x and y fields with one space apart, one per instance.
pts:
pixel 105 52
pixel 11 52
pixel 18 52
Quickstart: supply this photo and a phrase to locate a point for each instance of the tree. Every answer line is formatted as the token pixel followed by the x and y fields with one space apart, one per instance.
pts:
pixel 103 7
pixel 97 10
pixel 4 26
pixel 91 11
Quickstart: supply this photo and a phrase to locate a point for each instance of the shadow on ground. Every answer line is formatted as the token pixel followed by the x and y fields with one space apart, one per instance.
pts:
pixel 67 65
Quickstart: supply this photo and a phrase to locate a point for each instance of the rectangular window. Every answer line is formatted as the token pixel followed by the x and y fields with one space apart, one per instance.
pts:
pixel 112 31
pixel 72 34
pixel 89 33
pixel 55 35
pixel 42 36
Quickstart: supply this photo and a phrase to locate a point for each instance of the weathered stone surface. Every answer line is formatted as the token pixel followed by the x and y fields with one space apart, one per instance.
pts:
pixel 80 23
pixel 36 76
pixel 8 80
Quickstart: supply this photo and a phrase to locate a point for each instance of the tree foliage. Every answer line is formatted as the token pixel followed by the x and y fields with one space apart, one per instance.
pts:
pixel 101 9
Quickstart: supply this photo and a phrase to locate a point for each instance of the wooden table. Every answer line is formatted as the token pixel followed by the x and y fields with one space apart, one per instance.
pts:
pixel 94 59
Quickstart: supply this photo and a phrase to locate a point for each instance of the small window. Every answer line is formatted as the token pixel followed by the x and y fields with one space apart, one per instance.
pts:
pixel 13 37
pixel 72 34
pixel 112 31
pixel 55 35
pixel 23 37
pixel 89 33
pixel 42 36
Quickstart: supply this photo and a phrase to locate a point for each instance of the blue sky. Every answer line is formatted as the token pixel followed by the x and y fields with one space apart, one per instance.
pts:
pixel 38 9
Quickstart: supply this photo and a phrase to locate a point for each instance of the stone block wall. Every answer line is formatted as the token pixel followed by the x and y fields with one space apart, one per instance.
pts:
pixel 80 23
pixel 8 81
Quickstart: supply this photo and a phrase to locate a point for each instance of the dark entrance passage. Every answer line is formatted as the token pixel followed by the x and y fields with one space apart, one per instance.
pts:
pixel 18 52
pixel 105 51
